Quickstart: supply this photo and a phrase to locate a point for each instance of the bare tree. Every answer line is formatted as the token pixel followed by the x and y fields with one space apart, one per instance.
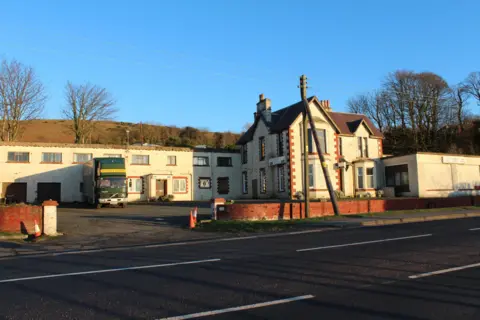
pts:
pixel 459 95
pixel 22 97
pixel 473 85
pixel 87 104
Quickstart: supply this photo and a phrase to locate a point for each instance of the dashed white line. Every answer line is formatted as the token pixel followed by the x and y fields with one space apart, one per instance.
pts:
pixel 433 273
pixel 246 307
pixel 107 270
pixel 365 242
pixel 474 229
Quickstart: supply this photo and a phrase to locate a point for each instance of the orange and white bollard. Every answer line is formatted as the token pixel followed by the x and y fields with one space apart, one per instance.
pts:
pixel 195 211
pixel 38 233
pixel 192 221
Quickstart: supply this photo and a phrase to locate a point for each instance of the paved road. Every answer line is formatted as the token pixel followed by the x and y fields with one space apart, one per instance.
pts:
pixel 366 273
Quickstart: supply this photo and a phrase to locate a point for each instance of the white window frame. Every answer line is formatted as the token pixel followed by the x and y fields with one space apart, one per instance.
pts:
pixel 55 154
pixel 178 186
pixel 311 176
pixel 76 160
pixel 18 153
pixel 204 183
pixel 360 178
pixel 263 180
pixel 370 178
pixel 135 157
pixel 196 158
pixel 281 178
pixel 135 185
pixel 170 162
pixel 244 182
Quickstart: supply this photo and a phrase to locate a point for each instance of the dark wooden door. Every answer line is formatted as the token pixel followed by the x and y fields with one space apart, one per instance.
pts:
pixel 161 188
pixel 14 192
pixel 255 188
pixel 49 190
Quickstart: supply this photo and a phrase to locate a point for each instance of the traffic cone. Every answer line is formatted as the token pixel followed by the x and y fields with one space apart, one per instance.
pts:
pixel 38 233
pixel 195 215
pixel 192 221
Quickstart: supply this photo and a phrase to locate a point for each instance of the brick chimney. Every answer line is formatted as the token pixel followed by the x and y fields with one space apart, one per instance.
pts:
pixel 325 104
pixel 264 106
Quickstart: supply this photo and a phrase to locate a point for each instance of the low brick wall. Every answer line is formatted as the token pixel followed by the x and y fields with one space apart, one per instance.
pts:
pixel 296 210
pixel 20 219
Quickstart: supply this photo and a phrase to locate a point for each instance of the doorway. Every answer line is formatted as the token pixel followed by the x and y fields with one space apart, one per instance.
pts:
pixel 255 188
pixel 49 191
pixel 161 188
pixel 341 179
pixel 14 192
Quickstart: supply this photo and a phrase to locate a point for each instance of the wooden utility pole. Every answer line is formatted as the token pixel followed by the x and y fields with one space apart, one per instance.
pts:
pixel 306 184
pixel 303 80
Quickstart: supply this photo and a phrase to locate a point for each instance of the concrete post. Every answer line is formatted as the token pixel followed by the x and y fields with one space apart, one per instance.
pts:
pixel 50 217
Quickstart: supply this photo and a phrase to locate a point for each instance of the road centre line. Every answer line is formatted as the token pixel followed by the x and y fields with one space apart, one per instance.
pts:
pixel 433 273
pixel 365 242
pixel 151 246
pixel 108 270
pixel 474 229
pixel 246 307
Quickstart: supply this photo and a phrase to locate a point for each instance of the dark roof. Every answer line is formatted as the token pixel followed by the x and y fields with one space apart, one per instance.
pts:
pixel 347 123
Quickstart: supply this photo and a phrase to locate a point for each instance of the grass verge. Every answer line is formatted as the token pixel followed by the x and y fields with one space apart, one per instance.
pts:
pixel 254 226
pixel 400 212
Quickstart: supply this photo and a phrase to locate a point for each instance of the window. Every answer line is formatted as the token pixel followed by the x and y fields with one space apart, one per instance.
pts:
pixel 263 181
pixel 340 146
pixel 112 155
pixel 171 160
pixel 204 183
pixel 18 157
pixel 280 144
pixel 360 178
pixel 179 185
pixel 224 162
pixel 135 185
pixel 81 187
pixel 261 144
pixel 200 161
pixel 223 185
pixel 360 148
pixel 82 157
pixel 140 159
pixel 321 133
pixel 397 176
pixel 311 175
pixel 365 147
pixel 244 182
pixel 244 154
pixel 370 178
pixel 48 157
pixel 281 178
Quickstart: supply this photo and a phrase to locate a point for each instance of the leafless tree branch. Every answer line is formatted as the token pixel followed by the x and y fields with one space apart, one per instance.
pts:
pixel 87 104
pixel 22 97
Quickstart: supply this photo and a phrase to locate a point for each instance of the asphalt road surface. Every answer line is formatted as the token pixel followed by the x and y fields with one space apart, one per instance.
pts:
pixel 412 271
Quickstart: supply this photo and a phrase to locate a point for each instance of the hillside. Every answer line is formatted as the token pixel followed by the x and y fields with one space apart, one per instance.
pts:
pixel 108 132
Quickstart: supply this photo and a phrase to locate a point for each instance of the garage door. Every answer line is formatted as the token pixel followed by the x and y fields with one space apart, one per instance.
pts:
pixel 14 192
pixel 49 190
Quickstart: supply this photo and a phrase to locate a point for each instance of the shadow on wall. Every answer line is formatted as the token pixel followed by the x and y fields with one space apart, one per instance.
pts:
pixel 61 184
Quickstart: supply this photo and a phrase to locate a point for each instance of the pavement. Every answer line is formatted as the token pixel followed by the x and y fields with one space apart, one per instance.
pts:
pixel 428 270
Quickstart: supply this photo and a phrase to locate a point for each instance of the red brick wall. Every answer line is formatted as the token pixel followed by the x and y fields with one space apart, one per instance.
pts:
pixel 20 219
pixel 288 210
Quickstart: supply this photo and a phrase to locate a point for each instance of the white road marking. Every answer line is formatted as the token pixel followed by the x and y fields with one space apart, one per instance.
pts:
pixel 108 270
pixel 364 242
pixel 246 307
pixel 149 246
pixel 474 229
pixel 433 273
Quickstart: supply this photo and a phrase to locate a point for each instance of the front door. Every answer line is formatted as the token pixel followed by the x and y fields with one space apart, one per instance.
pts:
pixel 255 188
pixel 161 188
pixel 341 178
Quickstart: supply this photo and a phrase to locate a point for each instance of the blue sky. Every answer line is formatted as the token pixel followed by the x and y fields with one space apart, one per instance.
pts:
pixel 204 63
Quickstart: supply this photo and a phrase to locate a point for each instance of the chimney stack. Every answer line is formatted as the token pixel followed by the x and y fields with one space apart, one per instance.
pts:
pixel 325 104
pixel 263 104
